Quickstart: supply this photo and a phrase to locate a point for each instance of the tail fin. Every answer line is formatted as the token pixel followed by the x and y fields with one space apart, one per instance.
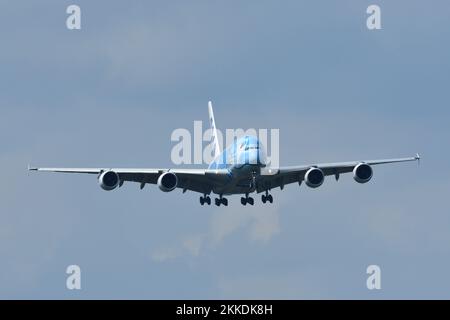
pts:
pixel 212 122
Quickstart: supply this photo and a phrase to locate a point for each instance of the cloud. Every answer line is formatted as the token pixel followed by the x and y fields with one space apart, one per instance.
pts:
pixel 194 244
pixel 260 223
pixel 165 254
pixel 265 225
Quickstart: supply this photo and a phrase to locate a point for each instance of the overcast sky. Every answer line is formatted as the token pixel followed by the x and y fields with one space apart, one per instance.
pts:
pixel 111 94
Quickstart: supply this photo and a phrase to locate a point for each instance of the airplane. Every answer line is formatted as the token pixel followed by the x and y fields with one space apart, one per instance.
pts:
pixel 239 169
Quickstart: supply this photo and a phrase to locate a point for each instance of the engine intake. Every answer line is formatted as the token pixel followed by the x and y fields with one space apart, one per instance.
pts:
pixel 362 173
pixel 109 180
pixel 168 181
pixel 314 177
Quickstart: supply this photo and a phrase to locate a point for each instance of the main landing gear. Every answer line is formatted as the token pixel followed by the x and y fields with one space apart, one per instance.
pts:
pixel 246 200
pixel 205 199
pixel 267 197
pixel 221 200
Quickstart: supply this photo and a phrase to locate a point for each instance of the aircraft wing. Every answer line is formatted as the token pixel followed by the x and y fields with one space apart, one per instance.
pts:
pixel 198 180
pixel 273 178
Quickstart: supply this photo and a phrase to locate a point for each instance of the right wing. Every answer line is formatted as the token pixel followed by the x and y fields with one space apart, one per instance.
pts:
pixel 273 178
pixel 198 180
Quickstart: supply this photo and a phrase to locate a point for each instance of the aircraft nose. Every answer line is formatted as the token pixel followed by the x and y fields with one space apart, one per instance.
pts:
pixel 256 157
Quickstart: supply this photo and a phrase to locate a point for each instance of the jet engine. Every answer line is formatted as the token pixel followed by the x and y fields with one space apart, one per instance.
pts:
pixel 108 180
pixel 362 173
pixel 314 177
pixel 168 181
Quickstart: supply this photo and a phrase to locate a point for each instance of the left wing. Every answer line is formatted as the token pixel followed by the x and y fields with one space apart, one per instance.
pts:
pixel 273 178
pixel 198 180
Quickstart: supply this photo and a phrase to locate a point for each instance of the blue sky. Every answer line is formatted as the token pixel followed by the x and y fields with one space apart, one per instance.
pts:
pixel 111 93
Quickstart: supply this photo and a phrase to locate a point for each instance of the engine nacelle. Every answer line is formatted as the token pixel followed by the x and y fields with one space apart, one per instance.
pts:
pixel 108 180
pixel 362 173
pixel 168 181
pixel 314 177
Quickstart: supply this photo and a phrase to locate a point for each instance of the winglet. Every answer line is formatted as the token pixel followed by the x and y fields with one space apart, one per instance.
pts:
pixel 417 157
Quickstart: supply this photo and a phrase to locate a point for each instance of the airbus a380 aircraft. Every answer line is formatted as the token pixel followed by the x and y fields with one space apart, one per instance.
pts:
pixel 239 169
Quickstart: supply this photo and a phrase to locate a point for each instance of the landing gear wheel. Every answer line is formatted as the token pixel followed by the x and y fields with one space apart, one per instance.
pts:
pixel 224 201
pixel 202 200
pixel 208 200
pixel 243 201
pixel 250 201
pixel 217 201
pixel 267 197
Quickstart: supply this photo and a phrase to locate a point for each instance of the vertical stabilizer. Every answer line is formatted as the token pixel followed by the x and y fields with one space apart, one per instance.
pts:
pixel 212 122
